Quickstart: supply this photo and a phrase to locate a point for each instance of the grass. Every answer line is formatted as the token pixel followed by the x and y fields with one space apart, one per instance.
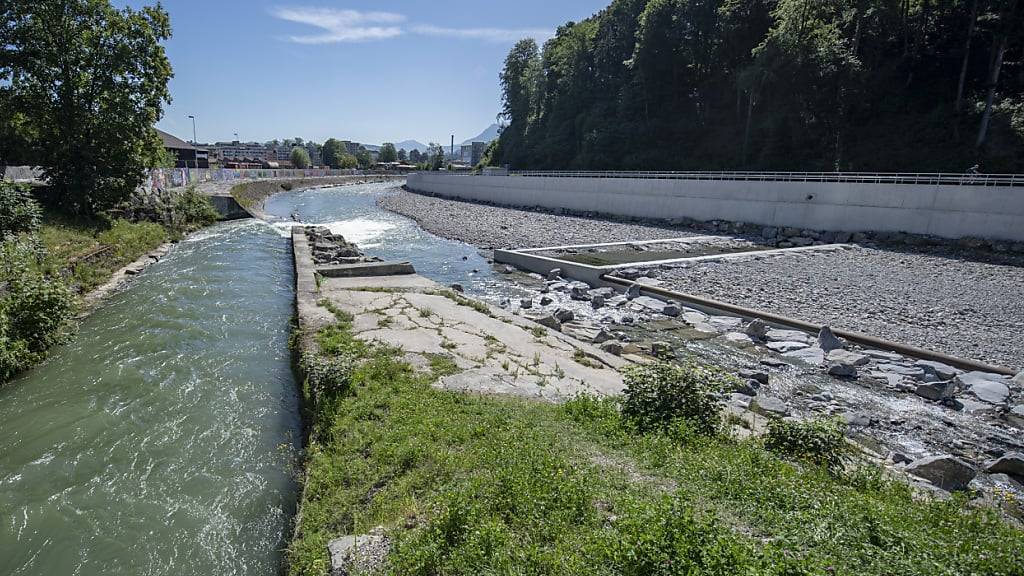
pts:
pixel 75 247
pixel 471 484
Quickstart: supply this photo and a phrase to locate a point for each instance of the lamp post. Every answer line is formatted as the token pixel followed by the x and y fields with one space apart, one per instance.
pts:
pixel 195 154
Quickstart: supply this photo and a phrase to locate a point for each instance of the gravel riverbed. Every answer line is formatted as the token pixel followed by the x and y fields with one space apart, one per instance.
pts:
pixel 492 227
pixel 935 298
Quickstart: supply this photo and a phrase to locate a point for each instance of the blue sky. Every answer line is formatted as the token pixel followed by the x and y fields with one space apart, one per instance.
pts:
pixel 352 69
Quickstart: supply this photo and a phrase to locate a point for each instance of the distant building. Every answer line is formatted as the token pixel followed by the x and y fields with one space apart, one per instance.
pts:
pixel 228 151
pixel 474 153
pixel 185 155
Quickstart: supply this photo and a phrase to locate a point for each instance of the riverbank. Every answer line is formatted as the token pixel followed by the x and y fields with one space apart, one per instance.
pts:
pixel 434 449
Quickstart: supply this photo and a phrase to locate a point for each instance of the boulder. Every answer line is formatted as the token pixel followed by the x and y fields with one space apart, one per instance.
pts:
pixel 526 303
pixel 757 375
pixel 985 386
pixel 747 388
pixel 909 371
pixel 945 471
pixel 549 321
pixel 784 346
pixel 508 269
pixel 840 370
pixel 545 300
pixel 938 369
pixel 814 356
pixel 756 329
pixel 604 292
pixel 564 315
pixel 1018 380
pixel 579 291
pixel 613 347
pixel 769 406
pixel 633 291
pixel 581 331
pixel 827 341
pixel 651 304
pixel 1012 464
pixel 362 554
pixel 661 349
pixel 846 357
pixel 936 391
pixel 458 287
pixel 628 273
pixel 672 309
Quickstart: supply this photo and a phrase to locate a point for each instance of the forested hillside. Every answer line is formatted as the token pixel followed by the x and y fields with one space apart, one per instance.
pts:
pixel 888 85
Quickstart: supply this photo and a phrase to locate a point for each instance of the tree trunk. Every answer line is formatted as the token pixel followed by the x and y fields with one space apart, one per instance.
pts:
pixel 993 81
pixel 746 132
pixel 967 55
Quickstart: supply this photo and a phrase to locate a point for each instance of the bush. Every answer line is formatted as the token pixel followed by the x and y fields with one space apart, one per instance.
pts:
pixel 327 376
pixel 820 441
pixel 35 311
pixel 193 208
pixel 661 393
pixel 19 211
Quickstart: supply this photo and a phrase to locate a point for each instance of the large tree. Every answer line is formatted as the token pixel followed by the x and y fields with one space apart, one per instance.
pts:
pixel 388 153
pixel 332 153
pixel 300 157
pixel 88 81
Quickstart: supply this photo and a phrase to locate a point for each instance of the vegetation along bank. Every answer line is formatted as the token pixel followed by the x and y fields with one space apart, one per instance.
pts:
pixel 51 260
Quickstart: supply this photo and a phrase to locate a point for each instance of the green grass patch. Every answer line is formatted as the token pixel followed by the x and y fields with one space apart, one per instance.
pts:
pixel 469 484
pixel 89 251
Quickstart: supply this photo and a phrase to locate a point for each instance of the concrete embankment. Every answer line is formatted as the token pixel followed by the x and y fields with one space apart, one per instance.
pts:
pixel 250 195
pixel 943 210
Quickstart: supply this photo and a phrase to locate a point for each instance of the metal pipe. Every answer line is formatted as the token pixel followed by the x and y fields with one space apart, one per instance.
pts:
pixel 855 337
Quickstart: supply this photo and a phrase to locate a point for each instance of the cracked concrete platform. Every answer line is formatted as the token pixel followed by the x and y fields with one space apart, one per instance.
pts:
pixel 495 351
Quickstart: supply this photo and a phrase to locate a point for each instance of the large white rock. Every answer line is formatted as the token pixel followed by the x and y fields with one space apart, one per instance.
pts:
pixel 946 472
pixel 787 346
pixel 846 357
pixel 985 386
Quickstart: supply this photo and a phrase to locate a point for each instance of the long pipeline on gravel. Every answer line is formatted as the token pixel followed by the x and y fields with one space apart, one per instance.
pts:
pixel 855 337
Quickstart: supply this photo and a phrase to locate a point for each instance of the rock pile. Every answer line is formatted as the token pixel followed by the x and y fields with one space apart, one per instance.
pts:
pixel 329 248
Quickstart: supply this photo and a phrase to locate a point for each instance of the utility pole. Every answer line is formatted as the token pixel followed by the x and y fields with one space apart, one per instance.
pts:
pixel 195 153
pixel 453 146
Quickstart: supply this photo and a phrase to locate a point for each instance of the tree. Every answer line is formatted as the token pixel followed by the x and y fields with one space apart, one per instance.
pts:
pixel 388 153
pixel 89 82
pixel 415 156
pixel 332 153
pixel 300 157
pixel 348 161
pixel 363 158
pixel 403 156
pixel 437 159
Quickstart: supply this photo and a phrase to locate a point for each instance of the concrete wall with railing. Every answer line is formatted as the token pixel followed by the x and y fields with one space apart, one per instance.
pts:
pixel 950 210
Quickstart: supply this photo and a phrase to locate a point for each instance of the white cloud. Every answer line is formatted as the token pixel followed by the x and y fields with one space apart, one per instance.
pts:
pixel 355 26
pixel 342 25
pixel 488 34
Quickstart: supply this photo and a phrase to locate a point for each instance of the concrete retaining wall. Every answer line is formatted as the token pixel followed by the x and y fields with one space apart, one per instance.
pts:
pixel 942 210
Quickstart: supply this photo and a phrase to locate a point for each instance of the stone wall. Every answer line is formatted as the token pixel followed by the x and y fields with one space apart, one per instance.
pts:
pixel 947 211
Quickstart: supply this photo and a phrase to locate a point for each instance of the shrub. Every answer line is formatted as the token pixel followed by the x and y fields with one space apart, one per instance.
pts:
pixel 19 211
pixel 661 393
pixel 35 311
pixel 133 240
pixel 327 376
pixel 820 441
pixel 193 208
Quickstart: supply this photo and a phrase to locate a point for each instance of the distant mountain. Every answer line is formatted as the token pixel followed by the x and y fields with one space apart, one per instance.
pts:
pixel 491 133
pixel 410 145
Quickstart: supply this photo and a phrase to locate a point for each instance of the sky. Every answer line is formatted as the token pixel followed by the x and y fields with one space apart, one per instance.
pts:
pixel 360 70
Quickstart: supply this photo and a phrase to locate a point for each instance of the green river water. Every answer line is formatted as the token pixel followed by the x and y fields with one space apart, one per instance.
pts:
pixel 164 438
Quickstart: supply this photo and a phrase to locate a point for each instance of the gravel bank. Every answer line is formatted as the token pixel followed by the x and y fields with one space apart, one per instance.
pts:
pixel 928 298
pixel 492 227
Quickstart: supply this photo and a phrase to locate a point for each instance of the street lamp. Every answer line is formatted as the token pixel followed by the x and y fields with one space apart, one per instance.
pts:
pixel 195 154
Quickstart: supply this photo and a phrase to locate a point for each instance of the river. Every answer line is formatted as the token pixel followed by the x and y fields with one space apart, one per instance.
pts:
pixel 164 438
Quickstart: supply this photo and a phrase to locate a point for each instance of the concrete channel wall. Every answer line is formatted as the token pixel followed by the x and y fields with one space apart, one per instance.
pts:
pixel 950 211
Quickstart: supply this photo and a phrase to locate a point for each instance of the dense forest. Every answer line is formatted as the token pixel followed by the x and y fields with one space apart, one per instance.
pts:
pixel 886 85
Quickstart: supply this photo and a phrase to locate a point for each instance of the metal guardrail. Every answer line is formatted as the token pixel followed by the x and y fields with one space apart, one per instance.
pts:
pixel 1014 180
